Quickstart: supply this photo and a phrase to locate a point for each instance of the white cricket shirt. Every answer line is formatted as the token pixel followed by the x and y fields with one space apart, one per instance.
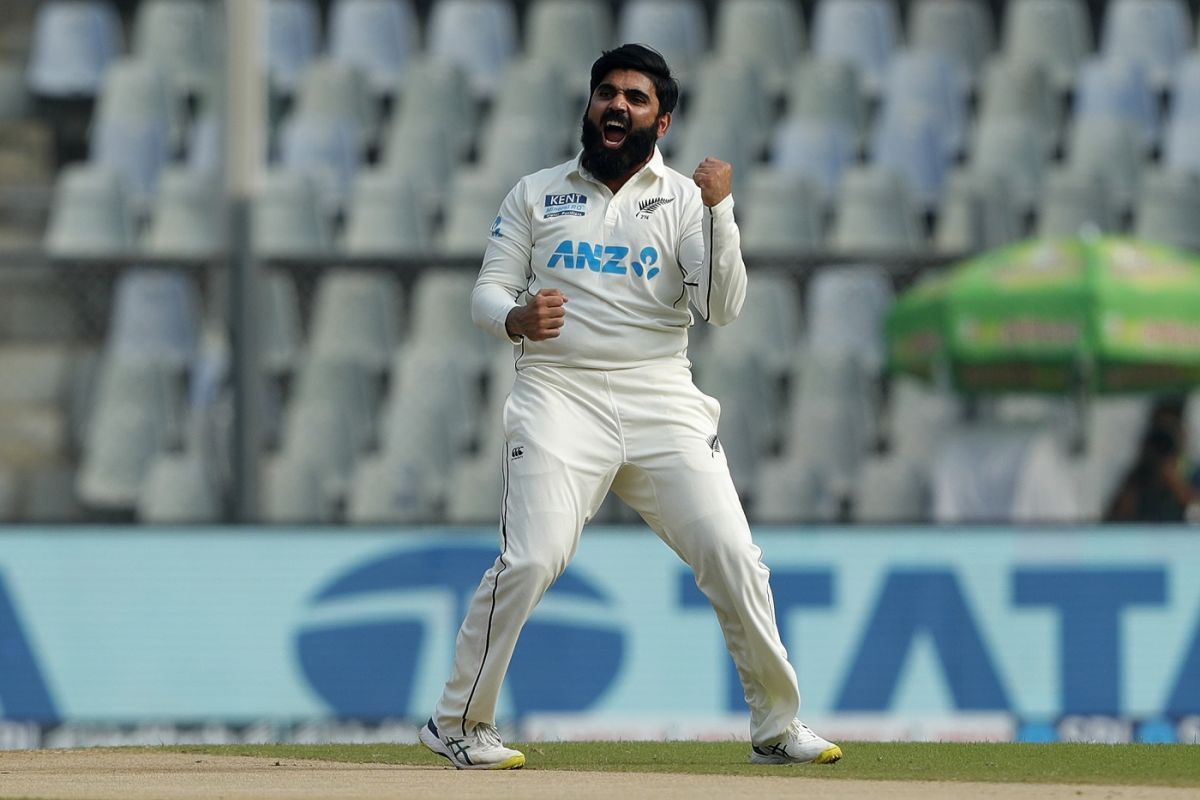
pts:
pixel 628 264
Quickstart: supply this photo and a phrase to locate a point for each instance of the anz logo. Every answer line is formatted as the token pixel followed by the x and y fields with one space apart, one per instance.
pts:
pixel 610 259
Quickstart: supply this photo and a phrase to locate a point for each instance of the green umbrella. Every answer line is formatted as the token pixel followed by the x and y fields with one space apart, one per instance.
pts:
pixel 1107 314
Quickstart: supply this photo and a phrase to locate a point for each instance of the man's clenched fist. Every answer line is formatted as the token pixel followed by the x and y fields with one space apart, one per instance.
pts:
pixel 715 179
pixel 540 318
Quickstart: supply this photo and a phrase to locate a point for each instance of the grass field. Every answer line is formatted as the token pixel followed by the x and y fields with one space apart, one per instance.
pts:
pixel 1095 764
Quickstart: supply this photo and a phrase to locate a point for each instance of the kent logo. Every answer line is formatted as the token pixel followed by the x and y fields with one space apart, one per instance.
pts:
pixel 573 204
pixel 612 259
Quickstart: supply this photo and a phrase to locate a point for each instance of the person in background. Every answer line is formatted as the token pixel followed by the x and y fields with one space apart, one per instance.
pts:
pixel 1158 488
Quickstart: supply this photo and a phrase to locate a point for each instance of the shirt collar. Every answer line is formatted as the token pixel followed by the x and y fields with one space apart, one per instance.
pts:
pixel 655 166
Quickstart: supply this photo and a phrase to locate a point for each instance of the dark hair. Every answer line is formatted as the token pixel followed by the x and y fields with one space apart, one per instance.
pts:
pixel 643 59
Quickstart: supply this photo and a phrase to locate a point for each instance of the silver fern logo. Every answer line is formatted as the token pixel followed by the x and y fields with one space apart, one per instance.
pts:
pixel 651 204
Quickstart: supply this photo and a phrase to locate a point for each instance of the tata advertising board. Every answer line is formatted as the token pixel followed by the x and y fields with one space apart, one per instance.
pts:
pixel 236 634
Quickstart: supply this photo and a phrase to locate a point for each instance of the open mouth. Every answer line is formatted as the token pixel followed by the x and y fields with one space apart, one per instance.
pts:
pixel 615 133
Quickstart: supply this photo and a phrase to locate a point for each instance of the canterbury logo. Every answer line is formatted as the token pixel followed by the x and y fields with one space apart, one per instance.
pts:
pixel 650 205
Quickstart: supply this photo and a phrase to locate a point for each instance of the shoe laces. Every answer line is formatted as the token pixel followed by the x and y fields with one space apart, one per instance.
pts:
pixel 799 732
pixel 488 735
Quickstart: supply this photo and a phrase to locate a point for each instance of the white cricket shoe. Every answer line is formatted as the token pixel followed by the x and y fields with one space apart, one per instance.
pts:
pixel 482 748
pixel 799 745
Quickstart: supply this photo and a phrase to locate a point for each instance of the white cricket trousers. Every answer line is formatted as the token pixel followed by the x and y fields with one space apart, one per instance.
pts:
pixel 650 435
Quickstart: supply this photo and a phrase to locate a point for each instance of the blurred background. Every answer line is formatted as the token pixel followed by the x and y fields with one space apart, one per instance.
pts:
pixel 237 243
pixel 874 141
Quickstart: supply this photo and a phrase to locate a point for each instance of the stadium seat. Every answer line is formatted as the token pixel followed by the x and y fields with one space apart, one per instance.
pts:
pixel 568 35
pixel 733 88
pixel 975 214
pixel 1074 203
pixel 912 144
pixel 292 491
pixel 155 317
pixel 875 213
pixel 386 216
pixel 1181 146
pixel 280 331
pixel 532 94
pixel 476 488
pixel 832 417
pixel 90 214
pixel 1185 90
pixel 292 41
pixel 1013 150
pixel 322 438
pixel 1021 90
pixel 74 41
pixel 288 219
pixel 333 92
pixel 440 317
pixel 136 128
pixel 438 94
pixel 1107 148
pixel 789 490
pixel 714 134
pixel 339 385
pixel 478 35
pixel 203 145
pixel 676 28
pixel 891 489
pixel 781 213
pixel 356 317
pixel 188 217
pixel 752 406
pixel 1004 474
pixel 14 95
pixel 181 38
pixel 770 325
pixel 1154 34
pixel 178 489
pixel 377 37
pixel 430 415
pixel 916 418
pixel 863 33
pixel 391 490
pixel 470 209
pixel 1113 429
pixel 961 30
pixel 327 150
pixel 419 153
pixel 1113 89
pixel 828 90
pixel 136 414
pixel 924 81
pixel 845 308
pixel 1168 207
pixel 815 149
pixel 766 33
pixel 499 374
pixel 1054 33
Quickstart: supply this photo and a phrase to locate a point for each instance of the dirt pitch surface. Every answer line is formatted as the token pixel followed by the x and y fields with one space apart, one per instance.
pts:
pixel 134 774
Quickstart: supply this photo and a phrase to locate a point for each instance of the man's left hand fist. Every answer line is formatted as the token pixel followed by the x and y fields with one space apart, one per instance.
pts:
pixel 715 179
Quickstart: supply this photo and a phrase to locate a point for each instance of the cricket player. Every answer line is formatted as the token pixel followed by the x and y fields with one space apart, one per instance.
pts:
pixel 590 269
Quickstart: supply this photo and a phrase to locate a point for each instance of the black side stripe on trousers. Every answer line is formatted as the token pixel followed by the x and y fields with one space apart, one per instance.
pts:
pixel 487 642
pixel 712 233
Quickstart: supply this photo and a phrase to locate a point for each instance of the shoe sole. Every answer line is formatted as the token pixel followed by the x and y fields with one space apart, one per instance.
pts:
pixel 830 755
pixel 437 747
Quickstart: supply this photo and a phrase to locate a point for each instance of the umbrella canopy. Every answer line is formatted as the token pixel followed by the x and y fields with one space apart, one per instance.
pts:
pixel 1109 314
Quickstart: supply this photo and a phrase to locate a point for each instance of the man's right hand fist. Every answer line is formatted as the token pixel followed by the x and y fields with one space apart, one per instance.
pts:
pixel 541 317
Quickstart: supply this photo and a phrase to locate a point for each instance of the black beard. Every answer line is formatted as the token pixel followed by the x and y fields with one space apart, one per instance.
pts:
pixel 610 165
